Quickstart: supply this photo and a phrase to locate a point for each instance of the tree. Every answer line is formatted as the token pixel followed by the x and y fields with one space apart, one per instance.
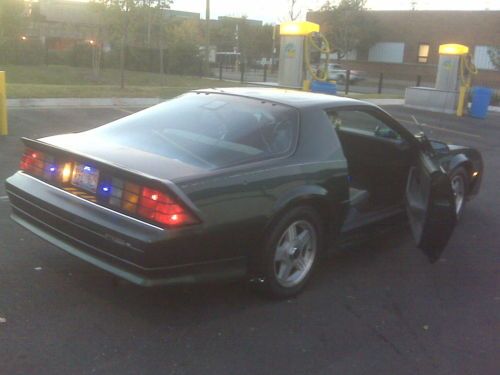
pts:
pixel 151 14
pixel 115 17
pixel 152 10
pixel 155 16
pixel 99 9
pixel 347 26
pixel 183 46
pixel 131 22
pixel 223 35
pixel 12 24
pixel 293 12
pixel 494 53
pixel 12 19
pixel 238 35
pixel 261 43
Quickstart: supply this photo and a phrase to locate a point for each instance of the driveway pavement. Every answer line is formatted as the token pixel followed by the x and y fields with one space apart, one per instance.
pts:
pixel 375 308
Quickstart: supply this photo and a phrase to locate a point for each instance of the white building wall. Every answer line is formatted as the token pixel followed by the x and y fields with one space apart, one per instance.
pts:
pixel 482 58
pixel 387 52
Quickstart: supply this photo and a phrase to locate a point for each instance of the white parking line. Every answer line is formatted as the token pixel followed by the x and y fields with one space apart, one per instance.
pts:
pixel 441 129
pixel 124 110
pixel 4 198
pixel 452 131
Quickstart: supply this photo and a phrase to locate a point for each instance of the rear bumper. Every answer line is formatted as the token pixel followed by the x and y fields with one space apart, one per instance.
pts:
pixel 135 251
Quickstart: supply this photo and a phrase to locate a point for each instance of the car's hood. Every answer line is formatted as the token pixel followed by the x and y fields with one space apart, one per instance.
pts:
pixel 124 157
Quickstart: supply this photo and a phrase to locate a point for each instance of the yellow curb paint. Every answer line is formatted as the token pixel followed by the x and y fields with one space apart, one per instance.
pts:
pixel 4 128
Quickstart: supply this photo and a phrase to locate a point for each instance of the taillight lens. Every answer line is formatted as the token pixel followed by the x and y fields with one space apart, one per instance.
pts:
pixel 33 162
pixel 131 198
pixel 38 164
pixel 158 206
pixel 147 203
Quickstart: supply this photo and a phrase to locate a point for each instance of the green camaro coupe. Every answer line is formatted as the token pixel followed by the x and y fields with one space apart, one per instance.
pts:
pixel 247 182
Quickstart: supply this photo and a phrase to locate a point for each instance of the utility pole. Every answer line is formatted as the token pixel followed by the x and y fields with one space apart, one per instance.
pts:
pixel 207 37
pixel 124 46
pixel 274 48
pixel 160 45
pixel 148 40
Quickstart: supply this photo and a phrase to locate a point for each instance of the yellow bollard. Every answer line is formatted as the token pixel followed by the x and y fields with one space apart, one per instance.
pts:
pixel 462 98
pixel 306 85
pixel 4 128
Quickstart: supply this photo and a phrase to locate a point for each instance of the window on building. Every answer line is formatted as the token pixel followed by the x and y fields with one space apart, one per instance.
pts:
pixel 423 52
pixel 387 52
pixel 482 58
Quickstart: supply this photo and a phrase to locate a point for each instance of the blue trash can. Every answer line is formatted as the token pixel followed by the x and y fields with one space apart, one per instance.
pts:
pixel 481 98
pixel 324 87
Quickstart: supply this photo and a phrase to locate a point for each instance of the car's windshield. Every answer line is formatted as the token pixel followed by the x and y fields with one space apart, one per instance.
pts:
pixel 209 130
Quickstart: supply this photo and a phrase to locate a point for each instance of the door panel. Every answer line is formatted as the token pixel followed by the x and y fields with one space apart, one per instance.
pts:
pixel 377 164
pixel 379 158
pixel 430 206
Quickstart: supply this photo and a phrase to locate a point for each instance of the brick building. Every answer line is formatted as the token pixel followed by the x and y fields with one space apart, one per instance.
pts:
pixel 61 24
pixel 408 42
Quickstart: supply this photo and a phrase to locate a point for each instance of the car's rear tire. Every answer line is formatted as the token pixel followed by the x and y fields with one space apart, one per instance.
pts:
pixel 460 186
pixel 291 251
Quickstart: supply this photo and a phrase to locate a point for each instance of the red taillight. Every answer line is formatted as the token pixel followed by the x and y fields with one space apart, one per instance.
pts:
pixel 39 164
pixel 159 207
pixel 33 162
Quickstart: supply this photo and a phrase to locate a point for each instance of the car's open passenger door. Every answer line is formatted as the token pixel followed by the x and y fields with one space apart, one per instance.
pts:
pixel 430 206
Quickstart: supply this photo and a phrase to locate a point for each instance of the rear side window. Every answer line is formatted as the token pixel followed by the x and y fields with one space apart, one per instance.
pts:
pixel 209 130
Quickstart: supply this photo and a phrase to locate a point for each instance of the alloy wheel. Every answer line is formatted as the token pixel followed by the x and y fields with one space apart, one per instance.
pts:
pixel 295 253
pixel 458 187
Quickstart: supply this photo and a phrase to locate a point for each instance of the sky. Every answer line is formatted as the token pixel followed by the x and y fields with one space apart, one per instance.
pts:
pixel 275 11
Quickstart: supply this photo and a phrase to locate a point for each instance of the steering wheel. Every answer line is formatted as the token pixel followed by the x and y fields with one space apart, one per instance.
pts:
pixel 221 131
pixel 385 132
pixel 221 127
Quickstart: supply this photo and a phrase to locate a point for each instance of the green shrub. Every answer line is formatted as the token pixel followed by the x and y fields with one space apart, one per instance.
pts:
pixel 183 58
pixel 81 55
pixel 59 57
pixel 27 52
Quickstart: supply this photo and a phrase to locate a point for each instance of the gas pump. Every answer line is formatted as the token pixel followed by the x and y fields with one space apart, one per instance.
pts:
pixel 298 41
pixel 453 78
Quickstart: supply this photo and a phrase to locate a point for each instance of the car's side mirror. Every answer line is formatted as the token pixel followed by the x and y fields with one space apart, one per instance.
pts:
pixel 439 147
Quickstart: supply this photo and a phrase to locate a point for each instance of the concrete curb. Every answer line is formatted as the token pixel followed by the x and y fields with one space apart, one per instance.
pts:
pixel 82 102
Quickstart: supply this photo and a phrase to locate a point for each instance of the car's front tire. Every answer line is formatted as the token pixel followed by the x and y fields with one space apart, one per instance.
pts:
pixel 291 252
pixel 460 186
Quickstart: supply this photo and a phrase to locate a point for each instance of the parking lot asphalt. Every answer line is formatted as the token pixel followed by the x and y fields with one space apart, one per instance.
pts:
pixel 375 308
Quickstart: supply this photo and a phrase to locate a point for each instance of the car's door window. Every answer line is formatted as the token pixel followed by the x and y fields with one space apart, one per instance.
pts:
pixel 361 122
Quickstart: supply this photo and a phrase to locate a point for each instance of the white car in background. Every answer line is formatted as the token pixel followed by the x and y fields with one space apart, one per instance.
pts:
pixel 337 72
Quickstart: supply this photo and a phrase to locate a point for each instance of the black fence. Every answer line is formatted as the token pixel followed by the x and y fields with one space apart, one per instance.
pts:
pixel 381 83
pixel 385 83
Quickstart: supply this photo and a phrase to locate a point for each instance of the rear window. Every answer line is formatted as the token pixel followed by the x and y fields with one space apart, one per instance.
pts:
pixel 208 130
